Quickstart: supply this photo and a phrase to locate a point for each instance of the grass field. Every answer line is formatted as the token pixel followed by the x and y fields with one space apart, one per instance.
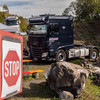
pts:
pixel 36 89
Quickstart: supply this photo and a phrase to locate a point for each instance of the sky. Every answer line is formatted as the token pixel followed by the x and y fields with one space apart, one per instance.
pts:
pixel 26 8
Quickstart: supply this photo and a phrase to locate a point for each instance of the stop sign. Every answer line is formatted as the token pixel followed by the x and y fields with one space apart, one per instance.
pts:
pixel 11 68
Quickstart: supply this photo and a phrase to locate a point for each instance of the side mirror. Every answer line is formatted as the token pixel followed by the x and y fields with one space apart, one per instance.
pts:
pixel 27 31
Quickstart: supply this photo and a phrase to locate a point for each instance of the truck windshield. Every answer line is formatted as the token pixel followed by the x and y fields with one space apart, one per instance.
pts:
pixel 12 22
pixel 37 29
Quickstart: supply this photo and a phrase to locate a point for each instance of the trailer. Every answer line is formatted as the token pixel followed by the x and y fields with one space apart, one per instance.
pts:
pixel 52 38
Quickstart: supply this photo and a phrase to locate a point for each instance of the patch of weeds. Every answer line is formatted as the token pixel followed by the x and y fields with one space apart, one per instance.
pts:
pixel 42 91
pixel 75 61
pixel 41 76
pixel 27 78
pixel 91 91
pixel 91 77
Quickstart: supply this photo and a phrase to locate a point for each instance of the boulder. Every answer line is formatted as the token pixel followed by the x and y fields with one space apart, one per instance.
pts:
pixel 64 76
pixel 98 61
pixel 96 74
pixel 65 95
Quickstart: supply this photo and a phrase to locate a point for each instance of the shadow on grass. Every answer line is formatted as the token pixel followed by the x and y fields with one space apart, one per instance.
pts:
pixel 39 63
pixel 73 60
pixel 38 90
pixel 94 80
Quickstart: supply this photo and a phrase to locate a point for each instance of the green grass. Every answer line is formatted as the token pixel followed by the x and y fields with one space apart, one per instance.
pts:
pixel 40 91
pixel 75 61
pixel 43 92
pixel 91 91
pixel 36 91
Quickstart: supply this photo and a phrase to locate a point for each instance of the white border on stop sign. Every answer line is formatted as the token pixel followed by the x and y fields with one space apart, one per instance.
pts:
pixel 6 46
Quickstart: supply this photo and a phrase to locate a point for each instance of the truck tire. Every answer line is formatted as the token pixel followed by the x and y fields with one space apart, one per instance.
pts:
pixel 93 54
pixel 60 55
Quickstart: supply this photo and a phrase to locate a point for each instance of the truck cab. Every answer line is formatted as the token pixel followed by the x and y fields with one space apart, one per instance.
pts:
pixel 51 37
pixel 14 22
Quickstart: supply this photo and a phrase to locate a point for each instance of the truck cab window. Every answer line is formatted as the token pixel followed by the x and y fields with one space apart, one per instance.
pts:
pixel 37 29
pixel 54 27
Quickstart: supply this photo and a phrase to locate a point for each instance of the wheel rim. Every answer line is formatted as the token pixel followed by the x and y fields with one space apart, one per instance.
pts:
pixel 94 55
pixel 61 57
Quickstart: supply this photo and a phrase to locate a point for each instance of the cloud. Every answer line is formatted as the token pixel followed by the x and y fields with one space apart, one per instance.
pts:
pixel 27 8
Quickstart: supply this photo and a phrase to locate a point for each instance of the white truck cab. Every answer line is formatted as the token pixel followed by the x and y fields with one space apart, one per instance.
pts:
pixel 13 21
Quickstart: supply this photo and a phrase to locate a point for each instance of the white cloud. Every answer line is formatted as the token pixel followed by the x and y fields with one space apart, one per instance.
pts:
pixel 27 8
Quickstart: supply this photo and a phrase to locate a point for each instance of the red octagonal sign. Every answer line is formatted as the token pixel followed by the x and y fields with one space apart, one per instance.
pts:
pixel 11 68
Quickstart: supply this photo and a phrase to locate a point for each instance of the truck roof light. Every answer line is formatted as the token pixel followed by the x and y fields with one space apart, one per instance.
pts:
pixel 61 17
pixel 43 18
pixel 12 18
pixel 34 19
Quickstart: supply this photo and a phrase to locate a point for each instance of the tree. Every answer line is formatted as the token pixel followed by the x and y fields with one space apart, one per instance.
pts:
pixel 23 24
pixel 71 8
pixel 85 9
pixel 97 9
pixel 5 7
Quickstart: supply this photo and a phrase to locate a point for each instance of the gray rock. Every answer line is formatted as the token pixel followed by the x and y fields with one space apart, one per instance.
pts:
pixel 65 95
pixel 65 76
pixel 35 75
pixel 96 74
pixel 98 61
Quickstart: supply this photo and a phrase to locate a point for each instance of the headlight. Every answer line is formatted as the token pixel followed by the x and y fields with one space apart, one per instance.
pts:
pixel 45 54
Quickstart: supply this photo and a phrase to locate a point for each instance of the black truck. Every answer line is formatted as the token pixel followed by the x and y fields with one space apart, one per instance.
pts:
pixel 51 37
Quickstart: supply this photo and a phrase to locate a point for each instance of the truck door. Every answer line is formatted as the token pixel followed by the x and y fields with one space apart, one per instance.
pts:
pixel 65 33
pixel 54 38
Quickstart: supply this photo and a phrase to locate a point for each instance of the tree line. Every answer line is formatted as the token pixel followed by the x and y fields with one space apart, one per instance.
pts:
pixel 87 10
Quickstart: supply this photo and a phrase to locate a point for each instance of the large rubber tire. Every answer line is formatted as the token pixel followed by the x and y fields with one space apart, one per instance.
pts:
pixel 94 54
pixel 60 55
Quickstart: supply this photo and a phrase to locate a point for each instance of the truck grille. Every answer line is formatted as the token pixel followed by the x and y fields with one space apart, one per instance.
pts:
pixel 37 46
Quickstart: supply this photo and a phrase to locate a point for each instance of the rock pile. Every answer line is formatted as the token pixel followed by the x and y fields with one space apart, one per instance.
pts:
pixel 94 70
pixel 96 75
pixel 64 76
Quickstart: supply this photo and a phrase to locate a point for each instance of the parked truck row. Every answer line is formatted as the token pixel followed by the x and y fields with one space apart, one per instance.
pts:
pixel 14 22
pixel 51 38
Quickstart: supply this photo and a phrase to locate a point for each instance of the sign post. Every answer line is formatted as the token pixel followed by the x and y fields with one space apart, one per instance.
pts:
pixel 11 55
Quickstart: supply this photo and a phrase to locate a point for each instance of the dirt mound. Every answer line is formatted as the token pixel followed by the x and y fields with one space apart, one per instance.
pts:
pixel 87 33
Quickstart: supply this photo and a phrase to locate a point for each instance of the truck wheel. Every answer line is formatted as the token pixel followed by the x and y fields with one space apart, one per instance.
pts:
pixel 61 55
pixel 93 54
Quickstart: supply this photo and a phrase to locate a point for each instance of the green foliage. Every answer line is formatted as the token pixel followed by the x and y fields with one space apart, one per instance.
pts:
pixel 91 91
pixel 6 8
pixel 84 9
pixel 92 77
pixel 23 24
pixel 75 61
pixel 87 10
pixel 72 7
pixel 2 17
